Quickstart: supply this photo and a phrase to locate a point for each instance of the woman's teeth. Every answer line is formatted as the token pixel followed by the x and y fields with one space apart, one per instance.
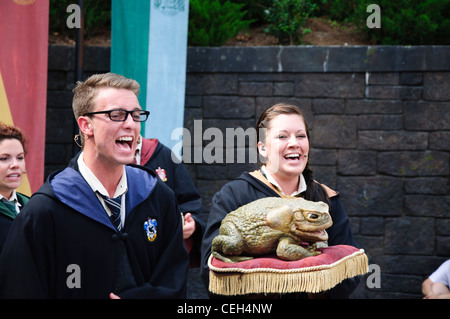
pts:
pixel 292 156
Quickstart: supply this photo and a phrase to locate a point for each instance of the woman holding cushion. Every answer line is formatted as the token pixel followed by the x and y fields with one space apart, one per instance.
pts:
pixel 283 142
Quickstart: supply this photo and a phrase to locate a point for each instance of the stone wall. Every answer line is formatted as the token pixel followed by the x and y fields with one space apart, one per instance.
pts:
pixel 380 135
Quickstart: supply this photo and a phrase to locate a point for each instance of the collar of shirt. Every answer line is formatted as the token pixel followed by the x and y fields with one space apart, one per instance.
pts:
pixel 14 199
pixel 98 188
pixel 96 185
pixel 301 184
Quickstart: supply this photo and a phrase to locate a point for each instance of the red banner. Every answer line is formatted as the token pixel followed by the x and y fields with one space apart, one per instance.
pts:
pixel 23 78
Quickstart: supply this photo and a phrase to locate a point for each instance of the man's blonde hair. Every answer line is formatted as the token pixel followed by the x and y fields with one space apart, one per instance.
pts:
pixel 85 92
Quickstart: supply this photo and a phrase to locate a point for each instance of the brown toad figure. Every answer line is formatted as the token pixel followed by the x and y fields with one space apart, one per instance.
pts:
pixel 273 224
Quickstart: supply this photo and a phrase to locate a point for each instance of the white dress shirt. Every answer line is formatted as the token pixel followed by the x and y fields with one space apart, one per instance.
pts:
pixel 99 189
pixel 301 184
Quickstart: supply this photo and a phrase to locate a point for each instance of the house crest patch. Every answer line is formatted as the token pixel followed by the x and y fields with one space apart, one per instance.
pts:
pixel 150 227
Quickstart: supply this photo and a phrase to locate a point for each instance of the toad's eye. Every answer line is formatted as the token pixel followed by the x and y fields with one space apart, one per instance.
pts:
pixel 312 216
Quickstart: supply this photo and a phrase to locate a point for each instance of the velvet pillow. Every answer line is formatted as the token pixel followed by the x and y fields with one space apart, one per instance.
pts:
pixel 269 274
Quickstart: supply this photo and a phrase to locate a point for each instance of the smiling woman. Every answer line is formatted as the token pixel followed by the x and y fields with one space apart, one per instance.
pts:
pixel 12 159
pixel 12 170
pixel 283 142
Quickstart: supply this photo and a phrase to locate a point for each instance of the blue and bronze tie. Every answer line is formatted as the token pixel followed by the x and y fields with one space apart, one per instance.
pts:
pixel 114 206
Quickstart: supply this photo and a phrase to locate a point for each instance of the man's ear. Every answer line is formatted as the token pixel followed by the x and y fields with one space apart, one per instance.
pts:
pixel 85 125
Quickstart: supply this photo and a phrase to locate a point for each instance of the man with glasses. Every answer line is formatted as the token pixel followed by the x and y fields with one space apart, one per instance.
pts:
pixel 100 229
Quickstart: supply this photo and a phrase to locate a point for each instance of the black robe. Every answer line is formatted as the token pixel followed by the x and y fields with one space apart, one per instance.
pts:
pixel 158 158
pixel 64 229
pixel 246 189
pixel 175 175
pixel 6 218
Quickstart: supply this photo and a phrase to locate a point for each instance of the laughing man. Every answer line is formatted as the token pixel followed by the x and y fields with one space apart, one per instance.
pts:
pixel 69 243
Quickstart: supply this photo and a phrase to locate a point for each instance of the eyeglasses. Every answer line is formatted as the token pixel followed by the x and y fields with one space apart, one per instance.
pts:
pixel 122 115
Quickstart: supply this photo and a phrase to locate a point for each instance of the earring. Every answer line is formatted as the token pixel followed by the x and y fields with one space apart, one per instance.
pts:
pixel 76 139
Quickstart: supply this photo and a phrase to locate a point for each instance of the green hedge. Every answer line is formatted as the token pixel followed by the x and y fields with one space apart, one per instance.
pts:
pixel 403 22
pixel 97 15
pixel 212 22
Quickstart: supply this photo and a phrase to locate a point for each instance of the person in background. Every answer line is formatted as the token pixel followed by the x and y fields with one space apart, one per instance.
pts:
pixel 101 229
pixel 12 170
pixel 437 285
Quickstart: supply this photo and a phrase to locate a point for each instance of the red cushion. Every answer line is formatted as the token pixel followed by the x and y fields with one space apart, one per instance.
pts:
pixel 328 256
pixel 269 274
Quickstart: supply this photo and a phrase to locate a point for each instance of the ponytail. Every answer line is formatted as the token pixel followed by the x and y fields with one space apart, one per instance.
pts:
pixel 314 191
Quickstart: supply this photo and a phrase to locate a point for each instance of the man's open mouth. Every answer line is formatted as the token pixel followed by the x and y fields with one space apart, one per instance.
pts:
pixel 125 142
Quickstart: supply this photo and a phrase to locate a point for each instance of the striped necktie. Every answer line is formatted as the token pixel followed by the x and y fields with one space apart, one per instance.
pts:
pixel 114 205
pixel 11 205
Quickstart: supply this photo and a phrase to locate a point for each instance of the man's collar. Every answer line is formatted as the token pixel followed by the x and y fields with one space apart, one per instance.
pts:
pixel 95 184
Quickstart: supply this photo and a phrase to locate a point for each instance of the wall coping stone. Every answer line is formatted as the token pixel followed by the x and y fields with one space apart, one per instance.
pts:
pixel 285 59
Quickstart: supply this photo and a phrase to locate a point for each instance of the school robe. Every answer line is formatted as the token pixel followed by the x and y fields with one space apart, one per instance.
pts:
pixel 158 157
pixel 7 218
pixel 63 239
pixel 246 189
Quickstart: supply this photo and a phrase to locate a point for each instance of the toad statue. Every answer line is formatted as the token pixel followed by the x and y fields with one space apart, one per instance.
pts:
pixel 293 228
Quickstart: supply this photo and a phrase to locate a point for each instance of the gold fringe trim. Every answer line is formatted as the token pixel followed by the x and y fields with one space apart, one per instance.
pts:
pixel 238 281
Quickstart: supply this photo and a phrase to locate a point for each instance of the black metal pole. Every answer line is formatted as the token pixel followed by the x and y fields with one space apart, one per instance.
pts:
pixel 79 63
pixel 79 45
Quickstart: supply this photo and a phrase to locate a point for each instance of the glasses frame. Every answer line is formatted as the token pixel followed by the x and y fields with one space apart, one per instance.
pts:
pixel 147 113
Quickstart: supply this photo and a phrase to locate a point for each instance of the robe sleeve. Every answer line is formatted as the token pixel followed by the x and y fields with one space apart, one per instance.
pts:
pixel 189 201
pixel 223 202
pixel 340 233
pixel 27 260
pixel 188 197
